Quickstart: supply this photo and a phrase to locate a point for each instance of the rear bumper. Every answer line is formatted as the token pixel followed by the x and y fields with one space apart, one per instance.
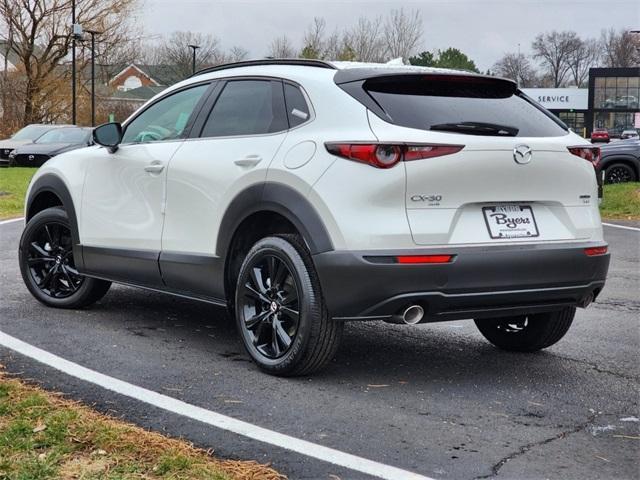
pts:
pixel 479 282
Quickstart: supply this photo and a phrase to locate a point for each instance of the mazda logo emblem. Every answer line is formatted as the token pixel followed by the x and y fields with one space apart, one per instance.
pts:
pixel 31 157
pixel 522 154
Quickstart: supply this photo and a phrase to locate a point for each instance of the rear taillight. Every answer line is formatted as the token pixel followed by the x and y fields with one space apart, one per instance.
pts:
pixel 590 154
pixel 595 251
pixel 413 259
pixel 387 155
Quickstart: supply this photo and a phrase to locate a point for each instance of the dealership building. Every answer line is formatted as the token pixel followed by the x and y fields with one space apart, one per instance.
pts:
pixel 611 101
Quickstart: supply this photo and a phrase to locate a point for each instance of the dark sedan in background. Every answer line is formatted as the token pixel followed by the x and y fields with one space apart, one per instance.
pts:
pixel 620 161
pixel 23 136
pixel 49 145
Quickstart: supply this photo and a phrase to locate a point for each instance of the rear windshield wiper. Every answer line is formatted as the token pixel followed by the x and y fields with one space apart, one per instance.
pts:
pixel 477 128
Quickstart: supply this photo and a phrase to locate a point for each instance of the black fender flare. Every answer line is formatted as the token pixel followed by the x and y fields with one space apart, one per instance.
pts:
pixel 53 184
pixel 278 198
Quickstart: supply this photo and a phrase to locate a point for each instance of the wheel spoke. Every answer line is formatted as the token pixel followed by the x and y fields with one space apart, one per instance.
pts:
pixel 282 335
pixel 48 277
pixel 256 319
pixel 256 278
pixel 274 338
pixel 41 251
pixel 280 274
pixel 292 314
pixel 69 279
pixel 38 260
pixel 49 236
pixel 72 270
pixel 253 293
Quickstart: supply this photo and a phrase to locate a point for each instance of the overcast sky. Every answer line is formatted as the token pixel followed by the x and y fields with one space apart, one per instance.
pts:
pixel 483 29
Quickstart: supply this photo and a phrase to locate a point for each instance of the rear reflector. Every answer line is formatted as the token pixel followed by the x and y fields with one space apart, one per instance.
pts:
pixel 590 154
pixel 594 251
pixel 424 259
pixel 387 155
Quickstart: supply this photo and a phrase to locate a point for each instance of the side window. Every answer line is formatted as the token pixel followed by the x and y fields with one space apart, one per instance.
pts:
pixel 166 119
pixel 297 107
pixel 247 107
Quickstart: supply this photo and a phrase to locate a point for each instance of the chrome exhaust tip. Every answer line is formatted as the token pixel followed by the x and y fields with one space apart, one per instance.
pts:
pixel 409 316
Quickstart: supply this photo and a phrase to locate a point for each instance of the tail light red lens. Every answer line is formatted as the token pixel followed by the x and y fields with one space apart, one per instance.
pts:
pixel 387 155
pixel 413 259
pixel 595 251
pixel 590 154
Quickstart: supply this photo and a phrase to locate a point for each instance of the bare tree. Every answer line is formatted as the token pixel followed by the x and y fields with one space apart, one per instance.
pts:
pixel 42 40
pixel 517 67
pixel 281 48
pixel 402 32
pixel 314 43
pixel 553 49
pixel 366 41
pixel 237 54
pixel 582 57
pixel 175 53
pixel 620 48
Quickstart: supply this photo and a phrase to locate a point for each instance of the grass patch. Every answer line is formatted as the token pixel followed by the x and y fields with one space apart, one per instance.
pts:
pixel 13 187
pixel 621 201
pixel 43 436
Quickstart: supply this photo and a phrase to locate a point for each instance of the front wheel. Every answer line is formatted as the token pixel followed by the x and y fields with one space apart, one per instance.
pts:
pixel 48 267
pixel 619 173
pixel 527 333
pixel 280 312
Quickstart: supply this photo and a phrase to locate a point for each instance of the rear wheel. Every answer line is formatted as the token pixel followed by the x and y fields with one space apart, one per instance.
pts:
pixel 619 173
pixel 280 312
pixel 48 267
pixel 527 333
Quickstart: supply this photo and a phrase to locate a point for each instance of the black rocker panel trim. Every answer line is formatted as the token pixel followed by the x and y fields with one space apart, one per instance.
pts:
pixel 281 199
pixel 200 275
pixel 50 183
pixel 118 264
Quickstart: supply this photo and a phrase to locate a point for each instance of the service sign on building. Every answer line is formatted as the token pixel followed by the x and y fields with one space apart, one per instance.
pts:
pixel 560 98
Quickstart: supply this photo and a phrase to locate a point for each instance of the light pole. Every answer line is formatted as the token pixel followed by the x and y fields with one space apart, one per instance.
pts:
pixel 193 61
pixel 76 34
pixel 93 34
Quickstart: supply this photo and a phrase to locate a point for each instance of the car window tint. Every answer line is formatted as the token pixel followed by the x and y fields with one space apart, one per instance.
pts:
pixel 246 107
pixel 297 107
pixel 165 119
pixel 64 135
pixel 31 132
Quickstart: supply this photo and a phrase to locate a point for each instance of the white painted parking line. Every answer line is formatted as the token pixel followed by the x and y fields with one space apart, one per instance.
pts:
pixel 12 220
pixel 309 449
pixel 624 227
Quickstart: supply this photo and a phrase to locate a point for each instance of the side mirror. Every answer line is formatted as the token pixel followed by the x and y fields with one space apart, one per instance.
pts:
pixel 108 135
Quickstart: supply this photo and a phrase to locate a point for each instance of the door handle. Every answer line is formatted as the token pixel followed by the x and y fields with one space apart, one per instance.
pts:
pixel 248 161
pixel 155 167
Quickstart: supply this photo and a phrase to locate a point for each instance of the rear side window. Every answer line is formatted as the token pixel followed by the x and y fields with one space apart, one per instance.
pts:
pixel 459 104
pixel 247 107
pixel 298 110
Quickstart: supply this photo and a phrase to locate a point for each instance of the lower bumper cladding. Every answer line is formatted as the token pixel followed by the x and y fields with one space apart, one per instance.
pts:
pixel 466 282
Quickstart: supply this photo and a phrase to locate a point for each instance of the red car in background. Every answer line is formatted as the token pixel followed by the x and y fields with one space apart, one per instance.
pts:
pixel 600 135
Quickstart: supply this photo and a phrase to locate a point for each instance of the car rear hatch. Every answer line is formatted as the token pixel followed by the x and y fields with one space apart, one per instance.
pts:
pixel 513 180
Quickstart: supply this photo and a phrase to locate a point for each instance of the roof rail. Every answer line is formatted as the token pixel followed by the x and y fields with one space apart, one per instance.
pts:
pixel 268 61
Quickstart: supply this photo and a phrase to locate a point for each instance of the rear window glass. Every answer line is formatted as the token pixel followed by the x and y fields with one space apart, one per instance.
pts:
pixel 475 106
pixel 297 108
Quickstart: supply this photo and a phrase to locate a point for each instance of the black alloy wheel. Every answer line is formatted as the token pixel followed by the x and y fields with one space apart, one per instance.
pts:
pixel 49 257
pixel 47 264
pixel 279 310
pixel 270 307
pixel 619 173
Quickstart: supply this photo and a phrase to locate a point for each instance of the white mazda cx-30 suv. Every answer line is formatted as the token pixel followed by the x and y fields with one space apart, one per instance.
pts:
pixel 303 194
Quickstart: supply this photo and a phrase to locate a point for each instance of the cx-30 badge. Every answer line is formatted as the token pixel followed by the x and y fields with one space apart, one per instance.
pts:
pixel 522 154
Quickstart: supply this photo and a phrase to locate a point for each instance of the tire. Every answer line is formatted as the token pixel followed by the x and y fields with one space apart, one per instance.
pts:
pixel 528 333
pixel 47 264
pixel 619 173
pixel 278 290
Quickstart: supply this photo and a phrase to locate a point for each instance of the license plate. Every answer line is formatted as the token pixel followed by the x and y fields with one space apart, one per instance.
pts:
pixel 510 221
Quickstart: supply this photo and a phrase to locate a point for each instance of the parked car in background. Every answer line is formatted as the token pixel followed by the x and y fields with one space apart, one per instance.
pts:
pixel 624 101
pixel 49 145
pixel 620 161
pixel 25 135
pixel 600 135
pixel 629 134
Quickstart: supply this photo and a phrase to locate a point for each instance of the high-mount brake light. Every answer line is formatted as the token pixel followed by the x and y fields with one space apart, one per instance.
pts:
pixel 387 155
pixel 590 154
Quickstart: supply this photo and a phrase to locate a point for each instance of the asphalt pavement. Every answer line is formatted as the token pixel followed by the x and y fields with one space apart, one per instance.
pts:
pixel 435 399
